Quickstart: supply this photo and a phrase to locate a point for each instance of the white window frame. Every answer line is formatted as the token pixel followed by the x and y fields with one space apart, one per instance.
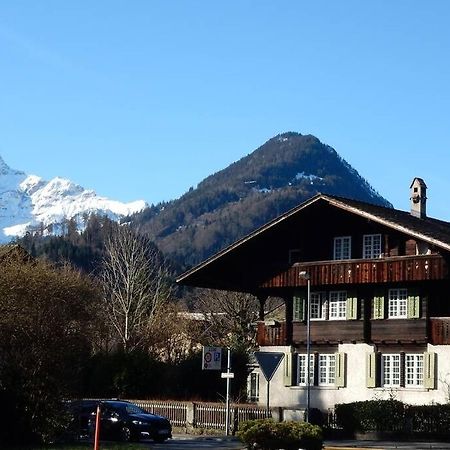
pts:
pixel 318 304
pixel 302 369
pixel 398 303
pixel 390 369
pixel 337 309
pixel 253 386
pixel 342 248
pixel 414 369
pixel 371 246
pixel 327 369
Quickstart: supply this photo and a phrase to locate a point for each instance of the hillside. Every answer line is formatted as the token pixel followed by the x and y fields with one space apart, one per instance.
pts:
pixel 279 175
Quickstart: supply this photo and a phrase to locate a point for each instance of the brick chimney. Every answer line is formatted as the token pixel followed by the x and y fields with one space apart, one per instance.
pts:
pixel 418 198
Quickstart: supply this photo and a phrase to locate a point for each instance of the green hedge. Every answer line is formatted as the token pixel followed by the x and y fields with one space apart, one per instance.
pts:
pixel 371 415
pixel 266 434
pixel 392 416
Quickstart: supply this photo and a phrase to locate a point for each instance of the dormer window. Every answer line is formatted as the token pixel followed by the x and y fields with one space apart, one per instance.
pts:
pixel 342 247
pixel 371 246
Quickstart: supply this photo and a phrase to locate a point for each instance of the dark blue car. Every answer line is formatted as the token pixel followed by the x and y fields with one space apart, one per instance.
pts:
pixel 124 421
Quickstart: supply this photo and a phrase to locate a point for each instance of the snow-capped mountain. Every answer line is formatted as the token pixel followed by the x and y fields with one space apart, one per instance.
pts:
pixel 27 203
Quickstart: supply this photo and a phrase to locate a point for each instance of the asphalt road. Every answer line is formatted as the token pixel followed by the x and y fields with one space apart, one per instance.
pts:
pixel 188 442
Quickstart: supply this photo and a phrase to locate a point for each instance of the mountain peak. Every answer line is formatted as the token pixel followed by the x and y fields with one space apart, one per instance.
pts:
pixel 283 172
pixel 28 203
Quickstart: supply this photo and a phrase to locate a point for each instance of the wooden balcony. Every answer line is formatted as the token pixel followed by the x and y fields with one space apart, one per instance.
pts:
pixel 391 331
pixel 440 330
pixel 359 271
pixel 273 334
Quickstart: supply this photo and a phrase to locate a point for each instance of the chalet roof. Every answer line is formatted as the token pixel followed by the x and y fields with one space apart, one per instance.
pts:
pixel 427 229
pixel 430 230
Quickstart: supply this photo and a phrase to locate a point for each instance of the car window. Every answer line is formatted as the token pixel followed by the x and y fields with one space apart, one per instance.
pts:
pixel 133 409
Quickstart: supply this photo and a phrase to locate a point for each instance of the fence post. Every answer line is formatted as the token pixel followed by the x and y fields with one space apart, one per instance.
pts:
pixel 235 420
pixel 190 416
pixel 277 414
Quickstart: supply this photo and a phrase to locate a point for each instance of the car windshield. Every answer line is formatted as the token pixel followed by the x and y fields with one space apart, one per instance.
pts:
pixel 133 409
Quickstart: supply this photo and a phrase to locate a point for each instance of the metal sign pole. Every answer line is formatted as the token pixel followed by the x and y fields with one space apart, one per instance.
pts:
pixel 227 413
pixel 269 363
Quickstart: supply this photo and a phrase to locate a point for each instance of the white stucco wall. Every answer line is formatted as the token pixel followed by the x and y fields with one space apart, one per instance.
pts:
pixel 325 397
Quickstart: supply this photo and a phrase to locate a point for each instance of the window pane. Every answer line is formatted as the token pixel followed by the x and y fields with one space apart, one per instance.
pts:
pixel 398 301
pixel 391 370
pixel 302 369
pixel 327 369
pixel 338 304
pixel 254 387
pixel 372 246
pixel 414 370
pixel 317 305
pixel 342 247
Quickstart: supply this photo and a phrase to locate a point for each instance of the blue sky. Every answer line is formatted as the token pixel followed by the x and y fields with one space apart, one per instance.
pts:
pixel 143 99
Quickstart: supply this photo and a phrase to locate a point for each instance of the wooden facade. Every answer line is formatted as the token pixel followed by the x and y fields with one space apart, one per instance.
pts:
pixel 367 276
pixel 413 255
pixel 375 284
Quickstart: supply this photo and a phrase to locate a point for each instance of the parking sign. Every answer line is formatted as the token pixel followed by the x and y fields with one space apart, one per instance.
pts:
pixel 212 358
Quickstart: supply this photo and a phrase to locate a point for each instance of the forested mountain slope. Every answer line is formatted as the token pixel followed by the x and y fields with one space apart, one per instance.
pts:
pixel 229 204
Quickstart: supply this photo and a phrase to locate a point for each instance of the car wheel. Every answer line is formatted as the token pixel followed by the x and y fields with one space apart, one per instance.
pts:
pixel 159 439
pixel 125 434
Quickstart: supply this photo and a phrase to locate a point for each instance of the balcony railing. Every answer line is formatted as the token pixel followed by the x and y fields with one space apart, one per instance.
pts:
pixel 273 333
pixel 357 271
pixel 440 330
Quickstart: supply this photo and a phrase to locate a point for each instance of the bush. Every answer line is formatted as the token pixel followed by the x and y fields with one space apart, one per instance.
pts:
pixel 431 419
pixel 371 415
pixel 266 434
pixel 394 416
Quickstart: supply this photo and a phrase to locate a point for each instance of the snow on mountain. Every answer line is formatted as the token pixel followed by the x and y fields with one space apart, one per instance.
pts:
pixel 27 202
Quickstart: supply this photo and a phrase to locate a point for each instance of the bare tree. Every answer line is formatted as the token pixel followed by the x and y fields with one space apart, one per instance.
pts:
pixel 172 337
pixel 135 281
pixel 230 317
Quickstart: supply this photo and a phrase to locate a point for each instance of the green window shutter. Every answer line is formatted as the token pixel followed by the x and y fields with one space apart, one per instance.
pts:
pixel 378 306
pixel 299 303
pixel 429 370
pixel 315 363
pixel 372 369
pixel 287 373
pixel 402 369
pixel 352 306
pixel 413 306
pixel 341 360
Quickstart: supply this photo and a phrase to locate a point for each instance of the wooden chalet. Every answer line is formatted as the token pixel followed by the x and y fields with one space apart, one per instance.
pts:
pixel 379 303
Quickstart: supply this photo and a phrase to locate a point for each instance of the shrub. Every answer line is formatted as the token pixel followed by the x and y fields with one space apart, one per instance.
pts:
pixel 266 434
pixel 371 415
